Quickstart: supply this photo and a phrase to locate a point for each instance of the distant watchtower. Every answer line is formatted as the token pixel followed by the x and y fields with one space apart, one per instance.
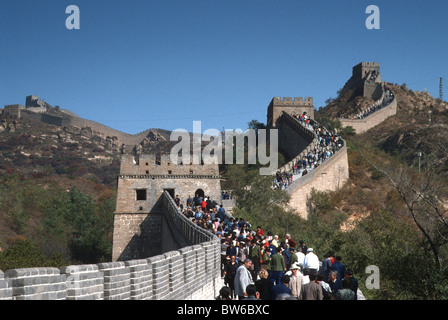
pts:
pixel 294 106
pixel 366 77
pixel 34 101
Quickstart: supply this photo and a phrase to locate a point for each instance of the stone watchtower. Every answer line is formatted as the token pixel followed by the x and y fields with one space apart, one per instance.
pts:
pixel 366 77
pixel 294 106
pixel 139 227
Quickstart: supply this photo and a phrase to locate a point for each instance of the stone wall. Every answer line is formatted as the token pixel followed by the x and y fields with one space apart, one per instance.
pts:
pixel 329 176
pixel 140 224
pixel 188 273
pixel 289 105
pixel 373 119
pixel 293 136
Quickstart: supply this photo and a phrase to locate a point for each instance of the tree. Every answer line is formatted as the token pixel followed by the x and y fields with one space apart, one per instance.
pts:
pixel 425 199
pixel 255 125
pixel 257 201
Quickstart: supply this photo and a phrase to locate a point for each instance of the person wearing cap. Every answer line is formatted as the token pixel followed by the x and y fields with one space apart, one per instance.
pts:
pixel 293 258
pixel 296 281
pixel 311 262
pixel 278 267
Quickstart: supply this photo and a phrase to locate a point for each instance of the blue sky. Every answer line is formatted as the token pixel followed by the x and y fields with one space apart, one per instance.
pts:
pixel 140 64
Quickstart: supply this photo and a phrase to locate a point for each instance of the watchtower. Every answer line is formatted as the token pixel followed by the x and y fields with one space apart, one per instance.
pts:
pixel 139 227
pixel 367 77
pixel 294 106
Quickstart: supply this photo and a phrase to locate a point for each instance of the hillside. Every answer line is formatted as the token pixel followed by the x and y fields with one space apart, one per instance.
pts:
pixel 418 126
pixel 58 189
pixel 36 149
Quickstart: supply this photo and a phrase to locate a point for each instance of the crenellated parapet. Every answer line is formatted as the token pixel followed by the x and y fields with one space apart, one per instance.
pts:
pixel 187 269
pixel 289 105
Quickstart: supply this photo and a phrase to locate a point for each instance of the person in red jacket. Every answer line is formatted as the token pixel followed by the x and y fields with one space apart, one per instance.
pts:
pixel 289 241
pixel 204 205
pixel 259 232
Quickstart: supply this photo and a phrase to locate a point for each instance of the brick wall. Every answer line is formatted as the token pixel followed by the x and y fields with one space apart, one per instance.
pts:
pixel 188 273
pixel 329 176
pixel 373 119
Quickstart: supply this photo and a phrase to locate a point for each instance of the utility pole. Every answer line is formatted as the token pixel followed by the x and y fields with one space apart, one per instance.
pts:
pixel 441 89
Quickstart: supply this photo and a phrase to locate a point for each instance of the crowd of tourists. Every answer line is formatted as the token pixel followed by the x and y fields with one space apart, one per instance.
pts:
pixel 328 144
pixel 256 266
pixel 259 266
pixel 377 105
pixel 204 212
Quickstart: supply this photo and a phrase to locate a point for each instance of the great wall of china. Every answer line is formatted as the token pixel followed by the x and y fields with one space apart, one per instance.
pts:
pixel 184 262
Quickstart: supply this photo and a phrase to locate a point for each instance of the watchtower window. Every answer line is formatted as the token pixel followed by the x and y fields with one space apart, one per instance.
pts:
pixel 141 194
pixel 169 172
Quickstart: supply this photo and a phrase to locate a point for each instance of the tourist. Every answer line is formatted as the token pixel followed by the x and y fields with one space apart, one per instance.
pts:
pixel 281 287
pixel 296 281
pixel 354 282
pixel 339 267
pixel 229 274
pixel 326 266
pixel 311 261
pixel 312 290
pixel 345 293
pixel 264 285
pixel 278 267
pixel 224 294
pixel 251 293
pixel 243 278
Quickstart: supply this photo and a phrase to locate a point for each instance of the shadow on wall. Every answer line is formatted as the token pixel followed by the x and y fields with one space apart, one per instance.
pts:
pixel 156 234
pixel 144 244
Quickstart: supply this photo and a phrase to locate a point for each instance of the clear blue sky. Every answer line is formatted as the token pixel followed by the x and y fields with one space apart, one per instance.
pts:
pixel 140 64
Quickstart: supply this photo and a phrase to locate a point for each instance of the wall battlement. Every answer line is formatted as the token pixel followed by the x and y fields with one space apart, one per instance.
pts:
pixel 295 106
pixel 299 101
pixel 152 164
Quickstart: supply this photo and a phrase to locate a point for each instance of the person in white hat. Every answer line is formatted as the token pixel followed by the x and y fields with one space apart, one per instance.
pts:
pixel 311 262
pixel 296 281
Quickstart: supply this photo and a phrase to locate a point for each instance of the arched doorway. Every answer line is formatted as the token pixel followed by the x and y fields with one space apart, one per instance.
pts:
pixel 199 193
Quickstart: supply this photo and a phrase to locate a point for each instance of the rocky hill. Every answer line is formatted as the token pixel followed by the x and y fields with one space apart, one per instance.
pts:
pixel 29 147
pixel 416 133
